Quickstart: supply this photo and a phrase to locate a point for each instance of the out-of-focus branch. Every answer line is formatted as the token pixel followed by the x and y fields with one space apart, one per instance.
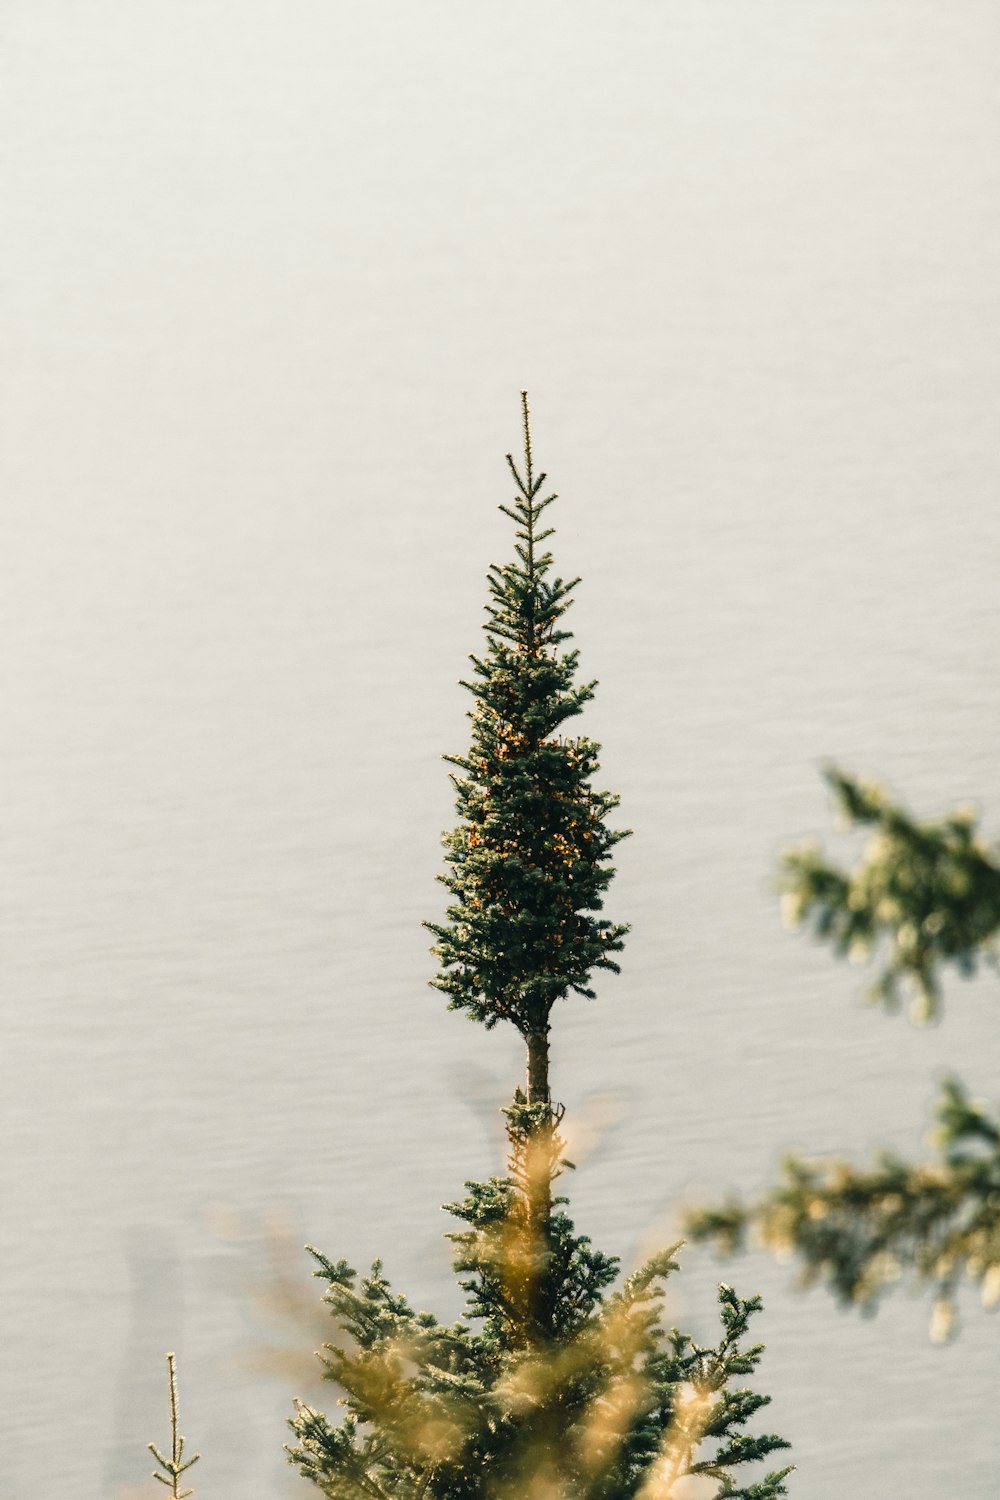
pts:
pixel 924 895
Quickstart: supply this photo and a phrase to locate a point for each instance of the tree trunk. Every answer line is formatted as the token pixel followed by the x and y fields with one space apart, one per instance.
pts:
pixel 538 1066
pixel 538 1193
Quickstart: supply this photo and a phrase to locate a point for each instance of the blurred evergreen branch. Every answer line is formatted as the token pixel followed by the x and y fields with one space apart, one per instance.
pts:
pixel 924 895
pixel 928 893
pixel 864 1230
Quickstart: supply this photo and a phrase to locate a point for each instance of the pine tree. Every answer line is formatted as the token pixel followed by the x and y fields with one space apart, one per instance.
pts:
pixel 924 896
pixel 529 855
pixel 554 1386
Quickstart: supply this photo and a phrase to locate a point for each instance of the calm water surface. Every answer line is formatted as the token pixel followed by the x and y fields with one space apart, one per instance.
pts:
pixel 277 273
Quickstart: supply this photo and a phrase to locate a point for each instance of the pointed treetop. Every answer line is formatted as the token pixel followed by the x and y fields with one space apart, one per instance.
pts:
pixel 529 859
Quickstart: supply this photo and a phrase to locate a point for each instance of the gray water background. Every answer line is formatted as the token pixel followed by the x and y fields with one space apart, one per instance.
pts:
pixel 274 275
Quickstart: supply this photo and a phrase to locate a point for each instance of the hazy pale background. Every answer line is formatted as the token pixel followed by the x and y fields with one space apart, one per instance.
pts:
pixel 274 275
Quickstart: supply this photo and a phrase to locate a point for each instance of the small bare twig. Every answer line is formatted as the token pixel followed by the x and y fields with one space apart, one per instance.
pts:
pixel 173 1466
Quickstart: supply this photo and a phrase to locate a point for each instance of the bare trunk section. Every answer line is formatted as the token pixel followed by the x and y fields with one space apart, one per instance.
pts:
pixel 538 1066
pixel 538 1187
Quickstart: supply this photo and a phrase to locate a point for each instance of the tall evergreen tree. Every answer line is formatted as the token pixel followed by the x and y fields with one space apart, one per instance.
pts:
pixel 554 1387
pixel 529 855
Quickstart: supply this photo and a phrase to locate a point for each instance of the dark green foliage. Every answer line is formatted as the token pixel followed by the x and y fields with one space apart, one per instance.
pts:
pixel 602 1403
pixel 553 1386
pixel 531 1280
pixel 930 893
pixel 529 856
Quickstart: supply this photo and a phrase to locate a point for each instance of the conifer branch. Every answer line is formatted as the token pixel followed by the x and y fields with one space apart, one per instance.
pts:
pixel 175 1465
pixel 924 896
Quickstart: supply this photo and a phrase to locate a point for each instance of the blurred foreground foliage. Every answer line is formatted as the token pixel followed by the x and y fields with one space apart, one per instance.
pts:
pixel 923 896
pixel 599 1403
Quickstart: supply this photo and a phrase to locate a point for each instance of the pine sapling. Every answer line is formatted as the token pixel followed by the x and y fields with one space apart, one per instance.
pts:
pixel 174 1466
